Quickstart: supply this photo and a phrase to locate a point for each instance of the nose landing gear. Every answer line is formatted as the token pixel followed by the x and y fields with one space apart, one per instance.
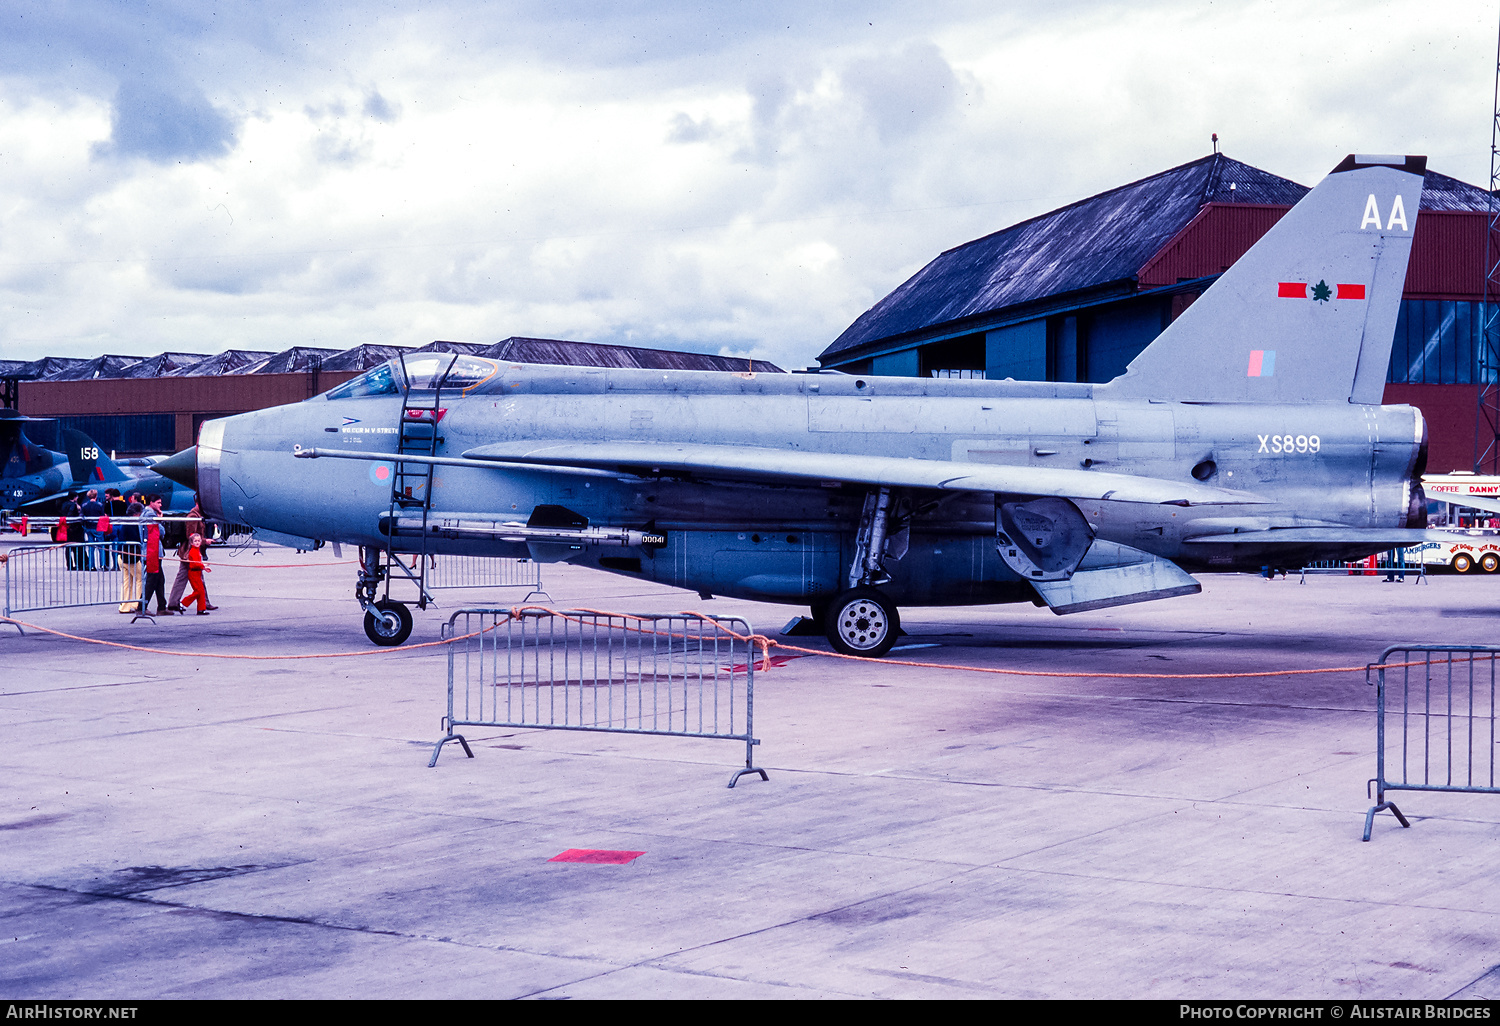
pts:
pixel 388 623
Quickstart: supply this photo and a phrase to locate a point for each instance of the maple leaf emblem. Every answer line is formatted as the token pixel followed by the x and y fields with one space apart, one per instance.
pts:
pixel 1321 293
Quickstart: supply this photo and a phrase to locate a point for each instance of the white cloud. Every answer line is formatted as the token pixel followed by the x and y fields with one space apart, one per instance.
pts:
pixel 733 180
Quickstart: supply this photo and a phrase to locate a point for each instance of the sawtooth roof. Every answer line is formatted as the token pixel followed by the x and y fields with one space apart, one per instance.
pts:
pixel 107 366
pixel 161 365
pixel 290 361
pixel 594 354
pixel 230 361
pixel 363 357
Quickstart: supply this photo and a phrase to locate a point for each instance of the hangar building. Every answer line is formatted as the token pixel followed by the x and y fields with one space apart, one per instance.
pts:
pixel 1075 294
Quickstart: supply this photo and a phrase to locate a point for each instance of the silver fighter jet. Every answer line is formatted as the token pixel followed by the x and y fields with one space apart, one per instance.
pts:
pixel 1248 434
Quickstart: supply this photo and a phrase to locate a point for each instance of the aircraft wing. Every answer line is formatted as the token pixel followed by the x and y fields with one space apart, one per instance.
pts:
pixel 1383 537
pixel 752 463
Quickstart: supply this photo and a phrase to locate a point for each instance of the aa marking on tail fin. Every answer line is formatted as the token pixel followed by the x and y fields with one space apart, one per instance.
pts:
pixel 1372 214
pixel 1262 363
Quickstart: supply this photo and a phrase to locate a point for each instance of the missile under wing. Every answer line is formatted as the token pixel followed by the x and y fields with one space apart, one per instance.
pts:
pixel 1248 433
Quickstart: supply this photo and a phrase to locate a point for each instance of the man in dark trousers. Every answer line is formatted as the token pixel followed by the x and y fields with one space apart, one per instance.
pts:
pixel 95 556
pixel 151 552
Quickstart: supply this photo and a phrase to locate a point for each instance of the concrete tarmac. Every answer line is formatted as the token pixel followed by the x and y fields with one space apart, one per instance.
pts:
pixel 192 827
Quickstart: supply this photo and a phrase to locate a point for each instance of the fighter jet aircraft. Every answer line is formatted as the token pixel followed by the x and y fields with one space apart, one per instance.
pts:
pixel 93 469
pixel 37 479
pixel 1250 432
pixel 30 471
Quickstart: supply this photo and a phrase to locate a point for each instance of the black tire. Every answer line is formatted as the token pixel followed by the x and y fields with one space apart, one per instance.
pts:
pixel 1463 563
pixel 391 626
pixel 1489 562
pixel 862 622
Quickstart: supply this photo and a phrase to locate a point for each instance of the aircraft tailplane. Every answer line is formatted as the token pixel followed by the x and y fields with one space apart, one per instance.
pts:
pixel 90 466
pixel 1308 314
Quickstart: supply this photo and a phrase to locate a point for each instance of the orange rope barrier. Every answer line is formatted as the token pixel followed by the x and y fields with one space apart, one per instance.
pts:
pixel 760 641
pixel 230 655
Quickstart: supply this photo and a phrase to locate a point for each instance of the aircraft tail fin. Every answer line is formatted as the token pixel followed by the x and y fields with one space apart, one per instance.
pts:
pixel 89 464
pixel 1308 314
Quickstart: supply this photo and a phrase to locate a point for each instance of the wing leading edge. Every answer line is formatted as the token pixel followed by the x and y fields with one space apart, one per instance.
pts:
pixel 751 463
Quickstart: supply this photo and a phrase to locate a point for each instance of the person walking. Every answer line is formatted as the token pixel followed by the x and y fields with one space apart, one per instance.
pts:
pixel 196 570
pixel 151 555
pixel 194 526
pixel 127 542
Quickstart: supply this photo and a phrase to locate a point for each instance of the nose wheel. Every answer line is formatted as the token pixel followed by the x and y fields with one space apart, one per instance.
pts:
pixel 862 622
pixel 388 623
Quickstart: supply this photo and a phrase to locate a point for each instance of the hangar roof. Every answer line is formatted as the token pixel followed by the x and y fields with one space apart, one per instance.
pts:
pixel 593 354
pixel 159 365
pixel 362 357
pixel 1094 244
pixel 107 366
pixel 289 361
pixel 1096 241
pixel 300 359
pixel 230 361
pixel 462 348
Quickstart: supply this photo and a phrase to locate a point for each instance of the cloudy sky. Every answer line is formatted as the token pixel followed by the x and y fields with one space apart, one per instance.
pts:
pixel 731 178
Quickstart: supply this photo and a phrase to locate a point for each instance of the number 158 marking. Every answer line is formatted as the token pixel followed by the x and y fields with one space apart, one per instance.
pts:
pixel 1289 443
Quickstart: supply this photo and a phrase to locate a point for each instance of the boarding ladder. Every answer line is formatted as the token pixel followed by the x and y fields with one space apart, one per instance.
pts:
pixel 411 482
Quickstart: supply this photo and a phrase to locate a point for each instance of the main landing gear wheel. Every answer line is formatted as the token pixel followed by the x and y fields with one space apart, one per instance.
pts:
pixel 391 625
pixel 1462 563
pixel 1489 562
pixel 862 622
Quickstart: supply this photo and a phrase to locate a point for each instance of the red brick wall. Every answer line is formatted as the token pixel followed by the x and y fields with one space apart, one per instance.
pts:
pixel 1449 411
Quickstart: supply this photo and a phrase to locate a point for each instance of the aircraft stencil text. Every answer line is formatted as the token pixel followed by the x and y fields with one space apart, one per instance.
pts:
pixel 1283 444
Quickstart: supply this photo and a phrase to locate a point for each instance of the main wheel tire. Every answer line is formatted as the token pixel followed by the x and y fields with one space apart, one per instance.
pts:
pixel 1489 562
pixel 862 622
pixel 391 625
pixel 1462 563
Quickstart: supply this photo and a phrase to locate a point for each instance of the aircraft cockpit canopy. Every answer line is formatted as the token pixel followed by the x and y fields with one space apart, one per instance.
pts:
pixel 426 373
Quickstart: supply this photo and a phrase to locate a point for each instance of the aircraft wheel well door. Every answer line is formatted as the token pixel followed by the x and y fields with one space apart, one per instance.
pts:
pixel 1042 540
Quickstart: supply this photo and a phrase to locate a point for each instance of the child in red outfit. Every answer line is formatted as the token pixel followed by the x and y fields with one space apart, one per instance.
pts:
pixel 196 570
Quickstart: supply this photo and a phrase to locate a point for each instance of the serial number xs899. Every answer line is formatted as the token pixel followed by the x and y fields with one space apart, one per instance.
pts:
pixel 1283 444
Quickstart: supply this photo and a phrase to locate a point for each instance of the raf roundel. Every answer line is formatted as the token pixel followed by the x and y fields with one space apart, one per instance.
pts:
pixel 380 473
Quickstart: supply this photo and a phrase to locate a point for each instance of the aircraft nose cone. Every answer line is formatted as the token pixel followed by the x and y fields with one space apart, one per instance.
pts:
pixel 181 468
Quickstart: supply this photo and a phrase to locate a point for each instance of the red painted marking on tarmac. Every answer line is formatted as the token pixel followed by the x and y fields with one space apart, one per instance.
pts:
pixel 597 856
pixel 776 660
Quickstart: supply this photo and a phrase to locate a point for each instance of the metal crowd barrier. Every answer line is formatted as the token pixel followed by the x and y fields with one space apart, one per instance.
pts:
pixel 681 676
pixel 1440 700
pixel 486 572
pixel 1389 566
pixel 73 574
